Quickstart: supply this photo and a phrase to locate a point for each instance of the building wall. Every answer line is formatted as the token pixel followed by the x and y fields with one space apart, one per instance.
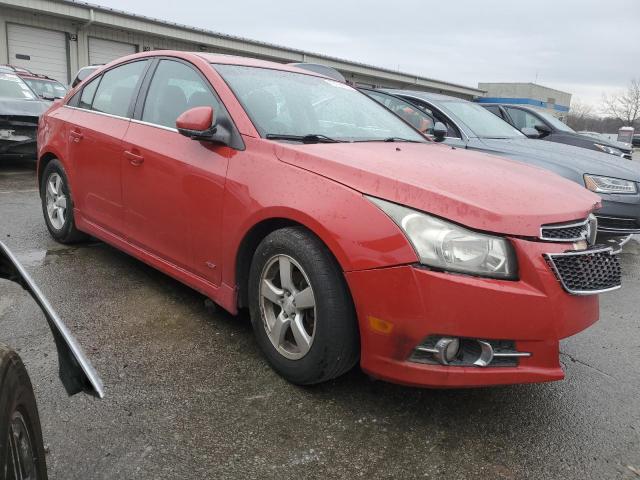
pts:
pixel 542 98
pixel 80 22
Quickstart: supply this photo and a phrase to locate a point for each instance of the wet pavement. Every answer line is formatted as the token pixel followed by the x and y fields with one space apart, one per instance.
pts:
pixel 189 396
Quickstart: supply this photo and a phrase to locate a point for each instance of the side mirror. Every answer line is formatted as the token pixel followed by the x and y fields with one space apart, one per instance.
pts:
pixel 543 129
pixel 199 123
pixel 439 131
pixel 530 132
pixel 48 97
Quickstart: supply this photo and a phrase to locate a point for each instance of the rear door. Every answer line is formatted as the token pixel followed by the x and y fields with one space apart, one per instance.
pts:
pixel 96 131
pixel 173 186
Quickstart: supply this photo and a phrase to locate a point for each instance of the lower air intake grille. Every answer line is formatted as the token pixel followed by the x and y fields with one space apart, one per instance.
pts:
pixel 587 272
pixel 622 225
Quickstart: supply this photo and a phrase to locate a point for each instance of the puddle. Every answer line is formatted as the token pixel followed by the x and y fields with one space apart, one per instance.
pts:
pixel 40 257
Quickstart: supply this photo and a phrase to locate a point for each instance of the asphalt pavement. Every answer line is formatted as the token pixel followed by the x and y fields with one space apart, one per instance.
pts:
pixel 189 396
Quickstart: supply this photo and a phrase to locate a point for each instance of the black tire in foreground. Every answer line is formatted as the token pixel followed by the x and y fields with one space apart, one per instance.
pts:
pixel 57 204
pixel 21 445
pixel 318 337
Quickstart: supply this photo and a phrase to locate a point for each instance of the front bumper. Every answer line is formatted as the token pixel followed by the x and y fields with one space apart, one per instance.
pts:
pixel 619 215
pixel 414 303
pixel 18 141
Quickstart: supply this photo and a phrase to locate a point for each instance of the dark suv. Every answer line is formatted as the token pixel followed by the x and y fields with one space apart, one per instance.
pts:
pixel 536 124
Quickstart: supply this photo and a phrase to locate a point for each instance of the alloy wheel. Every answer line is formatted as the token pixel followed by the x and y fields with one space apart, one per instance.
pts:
pixel 56 201
pixel 288 307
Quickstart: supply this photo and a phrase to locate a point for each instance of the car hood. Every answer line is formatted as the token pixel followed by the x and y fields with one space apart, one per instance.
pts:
pixel 481 191
pixel 600 141
pixel 579 159
pixel 22 108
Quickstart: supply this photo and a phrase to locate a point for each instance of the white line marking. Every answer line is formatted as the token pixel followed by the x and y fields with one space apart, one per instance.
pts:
pixel 19 191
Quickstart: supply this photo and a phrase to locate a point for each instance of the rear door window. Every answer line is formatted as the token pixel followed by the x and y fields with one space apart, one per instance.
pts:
pixel 174 89
pixel 117 89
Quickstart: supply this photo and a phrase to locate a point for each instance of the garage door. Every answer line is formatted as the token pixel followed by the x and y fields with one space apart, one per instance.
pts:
pixel 104 51
pixel 39 50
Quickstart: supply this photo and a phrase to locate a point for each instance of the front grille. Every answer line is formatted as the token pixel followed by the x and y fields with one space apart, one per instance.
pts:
pixel 619 225
pixel 18 121
pixel 587 272
pixel 569 232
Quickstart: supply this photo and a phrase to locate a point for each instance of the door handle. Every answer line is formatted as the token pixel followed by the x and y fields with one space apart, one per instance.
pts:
pixel 134 159
pixel 77 136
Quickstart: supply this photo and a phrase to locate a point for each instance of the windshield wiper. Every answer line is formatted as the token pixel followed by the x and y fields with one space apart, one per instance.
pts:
pixel 388 139
pixel 310 138
pixel 399 139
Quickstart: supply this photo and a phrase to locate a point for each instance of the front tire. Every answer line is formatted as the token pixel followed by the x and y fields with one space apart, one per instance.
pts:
pixel 21 444
pixel 57 204
pixel 301 310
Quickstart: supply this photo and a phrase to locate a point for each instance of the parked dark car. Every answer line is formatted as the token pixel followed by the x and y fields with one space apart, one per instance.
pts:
pixel 22 453
pixel 468 125
pixel 20 110
pixel 541 125
pixel 636 140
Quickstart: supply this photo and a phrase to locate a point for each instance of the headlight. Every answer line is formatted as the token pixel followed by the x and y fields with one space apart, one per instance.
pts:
pixel 606 149
pixel 599 184
pixel 447 246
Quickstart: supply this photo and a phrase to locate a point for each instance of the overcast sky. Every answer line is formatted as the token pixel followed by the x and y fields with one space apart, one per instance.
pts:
pixel 585 47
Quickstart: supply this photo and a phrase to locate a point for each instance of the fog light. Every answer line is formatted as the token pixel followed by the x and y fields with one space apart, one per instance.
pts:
pixel 443 350
pixel 461 352
pixel 446 350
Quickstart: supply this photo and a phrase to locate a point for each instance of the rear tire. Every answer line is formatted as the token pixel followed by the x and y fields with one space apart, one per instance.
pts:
pixel 57 204
pixel 320 338
pixel 20 432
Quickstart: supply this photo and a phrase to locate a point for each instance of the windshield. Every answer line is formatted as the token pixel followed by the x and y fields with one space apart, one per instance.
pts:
pixel 11 86
pixel 46 87
pixel 480 121
pixel 555 122
pixel 286 103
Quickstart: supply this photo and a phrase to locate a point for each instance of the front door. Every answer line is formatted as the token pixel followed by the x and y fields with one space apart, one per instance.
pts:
pixel 173 186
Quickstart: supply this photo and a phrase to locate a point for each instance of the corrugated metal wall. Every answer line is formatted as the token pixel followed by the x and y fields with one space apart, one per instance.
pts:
pixel 153 39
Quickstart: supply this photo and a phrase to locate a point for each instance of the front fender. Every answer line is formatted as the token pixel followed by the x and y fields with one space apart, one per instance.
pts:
pixel 76 372
pixel 357 232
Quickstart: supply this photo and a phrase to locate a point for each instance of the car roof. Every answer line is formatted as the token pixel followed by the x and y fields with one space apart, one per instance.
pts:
pixel 36 75
pixel 13 68
pixel 511 105
pixel 423 95
pixel 219 59
pixel 254 62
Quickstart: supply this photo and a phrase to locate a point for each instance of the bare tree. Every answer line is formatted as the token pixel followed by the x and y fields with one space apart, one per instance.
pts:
pixel 625 106
pixel 580 115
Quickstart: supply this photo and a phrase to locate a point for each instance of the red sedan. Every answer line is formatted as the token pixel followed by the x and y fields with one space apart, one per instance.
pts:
pixel 347 234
